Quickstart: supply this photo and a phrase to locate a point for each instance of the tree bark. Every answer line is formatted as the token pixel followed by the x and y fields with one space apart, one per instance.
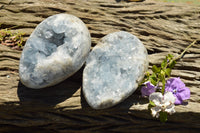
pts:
pixel 163 28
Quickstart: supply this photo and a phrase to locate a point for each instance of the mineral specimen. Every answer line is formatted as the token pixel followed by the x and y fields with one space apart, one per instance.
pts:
pixel 114 69
pixel 56 49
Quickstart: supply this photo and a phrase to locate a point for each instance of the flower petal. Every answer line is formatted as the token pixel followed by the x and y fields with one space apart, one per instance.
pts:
pixel 178 83
pixel 184 93
pixel 156 97
pixel 174 84
pixel 155 111
pixel 170 109
pixel 177 87
pixel 150 85
pixel 148 89
pixel 178 99
pixel 169 98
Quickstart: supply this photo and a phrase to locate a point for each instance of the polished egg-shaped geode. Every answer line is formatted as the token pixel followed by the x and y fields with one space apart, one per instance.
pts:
pixel 56 49
pixel 113 70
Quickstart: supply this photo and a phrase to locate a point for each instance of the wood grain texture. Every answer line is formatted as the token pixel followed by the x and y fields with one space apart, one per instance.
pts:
pixel 162 27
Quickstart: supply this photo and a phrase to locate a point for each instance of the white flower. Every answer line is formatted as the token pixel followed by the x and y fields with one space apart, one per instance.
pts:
pixel 162 103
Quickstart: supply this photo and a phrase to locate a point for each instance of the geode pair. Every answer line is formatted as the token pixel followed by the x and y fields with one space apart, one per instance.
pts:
pixel 60 45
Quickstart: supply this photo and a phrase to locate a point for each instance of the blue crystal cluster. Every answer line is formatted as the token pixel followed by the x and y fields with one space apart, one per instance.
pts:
pixel 114 68
pixel 56 49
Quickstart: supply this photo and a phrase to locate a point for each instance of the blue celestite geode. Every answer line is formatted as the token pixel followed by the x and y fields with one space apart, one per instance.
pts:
pixel 56 49
pixel 114 69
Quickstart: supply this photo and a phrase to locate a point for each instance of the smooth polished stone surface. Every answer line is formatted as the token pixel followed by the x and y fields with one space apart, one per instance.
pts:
pixel 56 49
pixel 114 69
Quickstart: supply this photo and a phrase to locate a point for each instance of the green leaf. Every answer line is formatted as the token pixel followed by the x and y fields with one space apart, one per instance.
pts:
pixel 152 103
pixel 153 79
pixel 164 63
pixel 168 72
pixel 147 74
pixel 162 75
pixel 172 64
pixel 155 69
pixel 146 78
pixel 170 56
pixel 163 116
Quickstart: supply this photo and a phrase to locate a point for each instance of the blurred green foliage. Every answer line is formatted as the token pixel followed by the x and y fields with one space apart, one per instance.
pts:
pixel 196 2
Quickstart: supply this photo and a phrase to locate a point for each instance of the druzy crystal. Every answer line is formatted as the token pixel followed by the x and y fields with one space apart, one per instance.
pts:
pixel 56 49
pixel 114 68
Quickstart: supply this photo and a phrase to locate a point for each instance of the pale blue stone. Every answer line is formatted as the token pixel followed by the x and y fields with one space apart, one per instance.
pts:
pixel 114 69
pixel 56 49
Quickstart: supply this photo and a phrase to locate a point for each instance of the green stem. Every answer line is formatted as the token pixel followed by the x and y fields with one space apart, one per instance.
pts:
pixel 163 88
pixel 176 58
pixel 181 55
pixel 13 27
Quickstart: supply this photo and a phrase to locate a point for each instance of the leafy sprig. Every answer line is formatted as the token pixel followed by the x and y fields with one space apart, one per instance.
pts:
pixel 159 75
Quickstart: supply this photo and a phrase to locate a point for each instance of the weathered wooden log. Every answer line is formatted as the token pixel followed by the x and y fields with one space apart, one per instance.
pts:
pixel 163 28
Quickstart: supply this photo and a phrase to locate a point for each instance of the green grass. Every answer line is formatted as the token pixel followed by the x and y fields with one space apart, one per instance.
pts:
pixel 196 2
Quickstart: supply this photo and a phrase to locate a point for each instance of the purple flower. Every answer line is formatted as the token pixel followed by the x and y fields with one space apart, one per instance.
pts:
pixel 147 89
pixel 178 88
